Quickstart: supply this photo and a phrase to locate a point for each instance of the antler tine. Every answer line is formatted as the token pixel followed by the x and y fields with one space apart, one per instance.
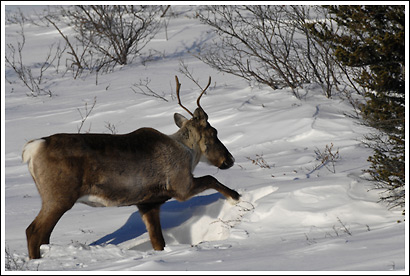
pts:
pixel 203 91
pixel 179 99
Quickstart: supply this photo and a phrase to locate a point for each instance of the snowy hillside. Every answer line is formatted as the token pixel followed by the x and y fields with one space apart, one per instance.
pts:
pixel 295 214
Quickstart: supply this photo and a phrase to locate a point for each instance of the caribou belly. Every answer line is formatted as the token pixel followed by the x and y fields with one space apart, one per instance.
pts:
pixel 96 201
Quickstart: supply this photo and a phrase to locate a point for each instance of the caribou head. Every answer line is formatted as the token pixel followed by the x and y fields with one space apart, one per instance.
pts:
pixel 202 134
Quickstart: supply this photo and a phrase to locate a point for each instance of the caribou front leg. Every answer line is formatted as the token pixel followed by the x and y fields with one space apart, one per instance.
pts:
pixel 206 182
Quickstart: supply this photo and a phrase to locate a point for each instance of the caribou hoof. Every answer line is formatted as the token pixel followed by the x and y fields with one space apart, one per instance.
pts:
pixel 234 199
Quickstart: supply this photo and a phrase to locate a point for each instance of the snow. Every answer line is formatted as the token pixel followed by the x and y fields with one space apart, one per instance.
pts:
pixel 295 214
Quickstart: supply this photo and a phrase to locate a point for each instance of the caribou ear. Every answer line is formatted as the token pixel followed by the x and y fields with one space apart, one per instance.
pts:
pixel 200 114
pixel 179 119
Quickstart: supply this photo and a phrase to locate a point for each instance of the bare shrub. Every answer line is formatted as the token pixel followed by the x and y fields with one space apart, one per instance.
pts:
pixel 32 76
pixel 272 45
pixel 106 35
pixel 327 158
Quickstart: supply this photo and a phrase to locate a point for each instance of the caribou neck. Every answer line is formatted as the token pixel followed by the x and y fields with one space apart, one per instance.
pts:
pixel 184 136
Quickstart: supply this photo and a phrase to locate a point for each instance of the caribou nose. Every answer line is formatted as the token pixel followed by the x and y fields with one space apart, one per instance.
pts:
pixel 227 163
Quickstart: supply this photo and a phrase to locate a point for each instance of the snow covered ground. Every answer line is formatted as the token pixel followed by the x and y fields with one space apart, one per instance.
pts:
pixel 295 215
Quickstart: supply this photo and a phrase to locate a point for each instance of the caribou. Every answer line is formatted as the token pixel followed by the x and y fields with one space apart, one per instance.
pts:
pixel 143 168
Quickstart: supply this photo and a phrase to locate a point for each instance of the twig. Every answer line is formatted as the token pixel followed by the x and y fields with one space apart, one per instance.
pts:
pixel 325 157
pixel 87 113
pixel 347 231
pixel 260 161
pixel 184 70
pixel 143 92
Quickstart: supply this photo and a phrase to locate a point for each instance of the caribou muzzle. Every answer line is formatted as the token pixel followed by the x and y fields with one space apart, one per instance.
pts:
pixel 229 161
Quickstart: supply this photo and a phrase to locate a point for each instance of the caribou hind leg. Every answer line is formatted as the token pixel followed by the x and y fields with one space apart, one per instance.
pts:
pixel 150 216
pixel 39 231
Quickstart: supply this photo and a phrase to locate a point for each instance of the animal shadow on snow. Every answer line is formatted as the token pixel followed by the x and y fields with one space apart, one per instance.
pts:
pixel 173 213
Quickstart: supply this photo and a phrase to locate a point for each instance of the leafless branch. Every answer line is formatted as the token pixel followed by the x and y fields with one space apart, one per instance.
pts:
pixel 87 112
pixel 144 89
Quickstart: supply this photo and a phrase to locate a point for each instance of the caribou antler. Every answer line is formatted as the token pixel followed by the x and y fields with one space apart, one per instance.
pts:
pixel 179 99
pixel 197 101
pixel 203 91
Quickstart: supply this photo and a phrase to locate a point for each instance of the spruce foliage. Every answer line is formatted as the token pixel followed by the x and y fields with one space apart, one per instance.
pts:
pixel 373 39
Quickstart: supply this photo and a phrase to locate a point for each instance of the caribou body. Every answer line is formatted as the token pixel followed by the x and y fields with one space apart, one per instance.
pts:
pixel 143 168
